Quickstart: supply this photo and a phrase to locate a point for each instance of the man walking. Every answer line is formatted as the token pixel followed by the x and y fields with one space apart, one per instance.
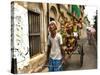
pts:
pixel 55 52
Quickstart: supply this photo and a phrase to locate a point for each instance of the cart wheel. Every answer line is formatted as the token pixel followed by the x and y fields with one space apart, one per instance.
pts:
pixel 81 55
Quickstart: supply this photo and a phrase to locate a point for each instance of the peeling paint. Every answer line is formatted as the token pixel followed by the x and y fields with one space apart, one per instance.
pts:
pixel 21 41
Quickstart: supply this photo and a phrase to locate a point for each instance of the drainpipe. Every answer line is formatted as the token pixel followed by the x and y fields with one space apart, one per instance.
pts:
pixel 13 59
pixel 47 17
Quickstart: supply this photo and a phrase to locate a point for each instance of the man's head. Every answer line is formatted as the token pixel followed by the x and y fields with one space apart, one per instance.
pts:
pixel 74 22
pixel 52 26
pixel 69 28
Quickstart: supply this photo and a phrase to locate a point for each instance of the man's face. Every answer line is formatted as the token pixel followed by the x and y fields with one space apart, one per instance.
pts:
pixel 52 28
pixel 69 29
pixel 74 22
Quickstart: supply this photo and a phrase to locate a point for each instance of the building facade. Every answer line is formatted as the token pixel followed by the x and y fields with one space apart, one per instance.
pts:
pixel 29 31
pixel 29 34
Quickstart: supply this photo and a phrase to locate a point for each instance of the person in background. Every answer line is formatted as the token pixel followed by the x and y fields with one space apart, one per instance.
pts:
pixel 70 40
pixel 91 33
pixel 88 35
pixel 77 26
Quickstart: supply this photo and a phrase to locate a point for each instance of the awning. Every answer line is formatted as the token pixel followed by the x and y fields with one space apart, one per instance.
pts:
pixel 76 10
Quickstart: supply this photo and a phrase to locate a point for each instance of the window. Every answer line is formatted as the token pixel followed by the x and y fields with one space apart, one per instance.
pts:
pixel 34 33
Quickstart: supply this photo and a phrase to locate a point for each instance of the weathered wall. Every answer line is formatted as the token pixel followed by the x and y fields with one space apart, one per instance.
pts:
pixel 20 35
pixel 53 12
pixel 21 40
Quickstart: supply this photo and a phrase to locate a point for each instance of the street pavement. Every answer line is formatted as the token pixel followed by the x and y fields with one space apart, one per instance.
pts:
pixel 89 60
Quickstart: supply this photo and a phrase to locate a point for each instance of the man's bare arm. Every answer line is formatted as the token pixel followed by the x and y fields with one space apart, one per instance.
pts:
pixel 62 51
pixel 48 53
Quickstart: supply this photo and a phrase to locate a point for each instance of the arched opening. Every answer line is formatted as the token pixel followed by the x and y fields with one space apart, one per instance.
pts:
pixel 52 19
pixel 53 13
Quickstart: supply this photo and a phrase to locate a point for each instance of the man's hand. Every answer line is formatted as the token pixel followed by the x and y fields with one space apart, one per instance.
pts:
pixel 63 60
pixel 46 62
